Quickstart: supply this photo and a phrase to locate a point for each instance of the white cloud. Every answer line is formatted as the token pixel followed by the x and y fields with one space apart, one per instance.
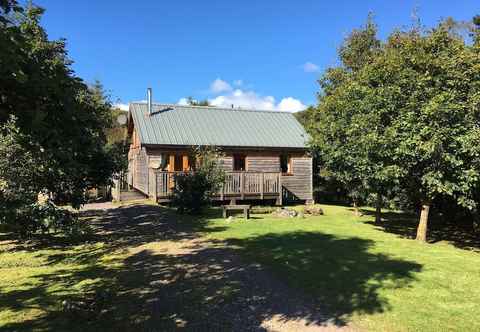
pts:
pixel 238 82
pixel 123 107
pixel 251 100
pixel 182 101
pixel 290 104
pixel 310 67
pixel 219 86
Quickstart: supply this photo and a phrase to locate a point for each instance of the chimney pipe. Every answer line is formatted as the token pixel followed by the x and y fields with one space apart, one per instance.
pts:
pixel 149 100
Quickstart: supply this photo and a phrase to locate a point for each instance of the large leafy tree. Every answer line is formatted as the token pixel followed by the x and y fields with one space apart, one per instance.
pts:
pixel 349 127
pixel 408 117
pixel 437 114
pixel 61 119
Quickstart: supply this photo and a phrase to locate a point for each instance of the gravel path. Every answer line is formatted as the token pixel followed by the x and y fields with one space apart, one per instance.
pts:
pixel 191 283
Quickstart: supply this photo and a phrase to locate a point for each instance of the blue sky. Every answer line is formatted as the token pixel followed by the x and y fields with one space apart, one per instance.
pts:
pixel 263 54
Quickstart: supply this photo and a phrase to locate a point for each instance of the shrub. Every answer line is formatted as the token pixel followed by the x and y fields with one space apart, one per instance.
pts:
pixel 45 218
pixel 21 181
pixel 193 190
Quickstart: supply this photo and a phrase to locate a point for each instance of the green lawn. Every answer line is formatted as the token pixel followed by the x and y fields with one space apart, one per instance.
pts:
pixel 378 280
pixel 360 273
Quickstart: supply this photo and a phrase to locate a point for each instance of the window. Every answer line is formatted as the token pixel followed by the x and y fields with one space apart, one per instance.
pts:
pixel 239 162
pixel 164 161
pixel 178 163
pixel 286 164
pixel 192 162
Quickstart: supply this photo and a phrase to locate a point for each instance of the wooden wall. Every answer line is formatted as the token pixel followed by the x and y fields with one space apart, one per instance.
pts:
pixel 138 169
pixel 300 182
pixel 227 163
pixel 263 162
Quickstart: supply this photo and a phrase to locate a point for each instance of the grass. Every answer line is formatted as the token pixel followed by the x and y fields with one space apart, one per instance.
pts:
pixel 359 272
pixel 378 280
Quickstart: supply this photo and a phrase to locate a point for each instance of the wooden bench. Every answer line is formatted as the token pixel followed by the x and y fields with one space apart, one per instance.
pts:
pixel 245 208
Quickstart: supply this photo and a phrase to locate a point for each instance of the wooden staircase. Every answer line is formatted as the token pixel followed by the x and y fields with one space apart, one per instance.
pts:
pixel 122 192
pixel 131 195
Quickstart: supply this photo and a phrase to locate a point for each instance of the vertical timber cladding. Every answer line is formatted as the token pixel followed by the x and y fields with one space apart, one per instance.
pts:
pixel 140 169
pixel 300 182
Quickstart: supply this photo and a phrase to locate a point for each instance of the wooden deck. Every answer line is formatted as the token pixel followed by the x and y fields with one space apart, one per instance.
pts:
pixel 237 185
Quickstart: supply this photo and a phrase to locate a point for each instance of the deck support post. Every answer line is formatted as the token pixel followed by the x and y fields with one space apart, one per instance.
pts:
pixel 280 190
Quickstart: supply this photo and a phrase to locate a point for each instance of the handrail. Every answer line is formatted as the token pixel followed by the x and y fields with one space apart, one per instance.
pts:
pixel 237 183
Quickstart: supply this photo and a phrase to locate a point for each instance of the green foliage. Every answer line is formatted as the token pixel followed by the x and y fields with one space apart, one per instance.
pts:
pixel 20 185
pixel 116 132
pixel 193 190
pixel 360 46
pixel 18 190
pixel 194 102
pixel 431 82
pixel 406 120
pixel 59 113
pixel 116 146
pixel 56 139
pixel 347 127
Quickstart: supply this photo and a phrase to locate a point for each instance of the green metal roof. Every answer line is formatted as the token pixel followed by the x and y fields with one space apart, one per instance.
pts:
pixel 199 125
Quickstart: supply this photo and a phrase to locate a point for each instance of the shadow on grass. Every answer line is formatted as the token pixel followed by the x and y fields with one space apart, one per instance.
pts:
pixel 458 234
pixel 205 286
pixel 340 274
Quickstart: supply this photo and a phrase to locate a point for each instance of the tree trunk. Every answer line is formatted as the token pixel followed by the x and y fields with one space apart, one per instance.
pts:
pixel 378 209
pixel 423 224
pixel 356 211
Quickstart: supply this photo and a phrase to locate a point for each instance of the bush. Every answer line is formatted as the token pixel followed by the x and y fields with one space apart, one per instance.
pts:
pixel 21 181
pixel 45 218
pixel 193 190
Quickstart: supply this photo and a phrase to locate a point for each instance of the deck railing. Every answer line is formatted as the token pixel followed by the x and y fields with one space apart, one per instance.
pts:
pixel 236 184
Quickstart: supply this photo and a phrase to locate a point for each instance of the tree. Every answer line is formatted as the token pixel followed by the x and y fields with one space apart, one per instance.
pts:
pixel 476 30
pixel 437 120
pixel 62 119
pixel 193 102
pixel 18 192
pixel 360 47
pixel 407 118
pixel 193 190
pixel 348 127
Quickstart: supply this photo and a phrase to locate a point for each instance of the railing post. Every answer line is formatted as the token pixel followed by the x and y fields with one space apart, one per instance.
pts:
pixel 261 185
pixel 242 182
pixel 155 196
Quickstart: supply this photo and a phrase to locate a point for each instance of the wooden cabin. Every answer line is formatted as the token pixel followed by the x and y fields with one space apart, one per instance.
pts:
pixel 264 152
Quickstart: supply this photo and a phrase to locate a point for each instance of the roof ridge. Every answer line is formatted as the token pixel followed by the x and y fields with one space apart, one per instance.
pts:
pixel 213 107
